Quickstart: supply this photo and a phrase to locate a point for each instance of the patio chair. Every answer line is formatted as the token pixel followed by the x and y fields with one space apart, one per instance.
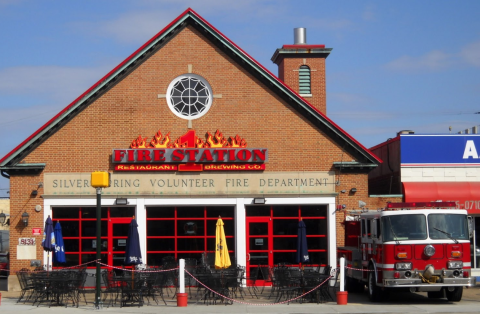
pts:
pixel 252 281
pixel 312 280
pixel 26 285
pixel 325 289
pixel 112 289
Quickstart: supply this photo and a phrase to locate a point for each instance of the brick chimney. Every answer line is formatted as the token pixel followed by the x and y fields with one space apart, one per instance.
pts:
pixel 302 68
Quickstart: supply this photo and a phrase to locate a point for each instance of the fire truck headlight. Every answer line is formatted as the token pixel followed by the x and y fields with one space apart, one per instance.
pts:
pixel 429 250
pixel 455 264
pixel 403 266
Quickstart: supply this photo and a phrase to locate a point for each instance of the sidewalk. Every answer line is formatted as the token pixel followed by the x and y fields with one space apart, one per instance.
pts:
pixel 400 302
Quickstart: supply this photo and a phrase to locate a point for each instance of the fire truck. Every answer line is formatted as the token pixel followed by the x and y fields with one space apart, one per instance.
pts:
pixel 411 246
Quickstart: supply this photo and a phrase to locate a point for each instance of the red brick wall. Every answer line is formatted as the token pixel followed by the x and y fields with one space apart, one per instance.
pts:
pixel 131 108
pixel 288 72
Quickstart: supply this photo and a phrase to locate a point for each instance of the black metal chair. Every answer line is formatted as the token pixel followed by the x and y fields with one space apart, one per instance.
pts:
pixel 169 262
pixel 26 285
pixel 312 280
pixel 112 288
pixel 290 283
pixel 159 285
pixel 131 289
pixel 190 266
pixel 325 289
pixel 252 281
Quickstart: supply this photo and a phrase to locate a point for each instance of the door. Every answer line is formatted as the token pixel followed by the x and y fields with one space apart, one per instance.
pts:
pixel 259 248
pixel 117 240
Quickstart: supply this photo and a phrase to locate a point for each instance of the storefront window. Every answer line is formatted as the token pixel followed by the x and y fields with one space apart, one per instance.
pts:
pixel 186 232
pixel 79 231
pixel 283 221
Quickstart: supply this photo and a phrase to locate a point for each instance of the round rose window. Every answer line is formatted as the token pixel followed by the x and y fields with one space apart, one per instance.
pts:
pixel 189 96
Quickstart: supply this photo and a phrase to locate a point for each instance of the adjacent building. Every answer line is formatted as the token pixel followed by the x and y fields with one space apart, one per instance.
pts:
pixel 433 167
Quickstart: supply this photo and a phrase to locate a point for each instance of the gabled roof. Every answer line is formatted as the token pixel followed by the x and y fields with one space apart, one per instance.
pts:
pixel 190 17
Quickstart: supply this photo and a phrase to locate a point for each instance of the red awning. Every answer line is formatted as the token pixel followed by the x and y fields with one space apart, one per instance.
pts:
pixel 465 194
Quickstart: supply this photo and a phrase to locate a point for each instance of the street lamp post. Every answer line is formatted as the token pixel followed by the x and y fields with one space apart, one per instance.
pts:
pixel 99 180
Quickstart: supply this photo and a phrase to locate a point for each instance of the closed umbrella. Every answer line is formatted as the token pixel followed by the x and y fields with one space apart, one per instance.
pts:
pixel 48 242
pixel 59 255
pixel 133 255
pixel 302 249
pixel 222 258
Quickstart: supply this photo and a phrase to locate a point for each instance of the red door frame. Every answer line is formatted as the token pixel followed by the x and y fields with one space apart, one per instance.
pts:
pixel 267 251
pixel 111 237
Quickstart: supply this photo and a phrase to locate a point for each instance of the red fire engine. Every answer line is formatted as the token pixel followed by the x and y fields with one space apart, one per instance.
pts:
pixel 416 246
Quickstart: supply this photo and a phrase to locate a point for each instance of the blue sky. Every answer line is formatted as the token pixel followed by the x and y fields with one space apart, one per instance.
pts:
pixel 395 65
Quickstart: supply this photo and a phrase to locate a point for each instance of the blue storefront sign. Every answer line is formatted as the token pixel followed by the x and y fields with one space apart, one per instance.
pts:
pixel 440 150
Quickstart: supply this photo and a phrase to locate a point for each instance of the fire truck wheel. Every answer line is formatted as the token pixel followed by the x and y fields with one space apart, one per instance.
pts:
pixel 455 295
pixel 374 292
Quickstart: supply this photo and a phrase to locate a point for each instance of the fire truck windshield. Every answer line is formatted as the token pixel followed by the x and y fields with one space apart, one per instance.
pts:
pixel 404 227
pixel 414 227
pixel 448 226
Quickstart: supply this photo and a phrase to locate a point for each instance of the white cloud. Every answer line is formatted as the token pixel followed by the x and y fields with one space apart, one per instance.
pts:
pixel 369 13
pixel 137 26
pixel 431 61
pixel 471 54
pixel 54 82
pixel 436 60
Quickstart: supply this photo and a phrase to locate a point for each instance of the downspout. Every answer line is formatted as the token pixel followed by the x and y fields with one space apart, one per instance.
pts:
pixel 5 175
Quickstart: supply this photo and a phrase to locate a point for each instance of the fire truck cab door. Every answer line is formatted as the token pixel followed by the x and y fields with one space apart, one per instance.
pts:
pixel 370 237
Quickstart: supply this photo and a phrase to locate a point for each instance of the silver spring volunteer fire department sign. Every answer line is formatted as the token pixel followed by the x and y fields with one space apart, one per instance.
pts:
pixel 200 184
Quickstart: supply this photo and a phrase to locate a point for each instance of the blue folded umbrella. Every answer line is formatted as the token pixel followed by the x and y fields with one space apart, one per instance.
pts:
pixel 133 256
pixel 48 242
pixel 302 249
pixel 59 254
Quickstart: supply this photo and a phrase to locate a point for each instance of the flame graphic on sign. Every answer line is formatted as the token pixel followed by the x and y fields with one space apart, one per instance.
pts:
pixel 212 141
pixel 178 144
pixel 237 141
pixel 217 140
pixel 139 142
pixel 157 141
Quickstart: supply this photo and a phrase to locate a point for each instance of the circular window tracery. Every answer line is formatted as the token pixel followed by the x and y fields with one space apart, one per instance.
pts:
pixel 189 96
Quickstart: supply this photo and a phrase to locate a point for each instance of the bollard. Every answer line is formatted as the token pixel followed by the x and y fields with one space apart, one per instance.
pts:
pixel 182 297
pixel 342 296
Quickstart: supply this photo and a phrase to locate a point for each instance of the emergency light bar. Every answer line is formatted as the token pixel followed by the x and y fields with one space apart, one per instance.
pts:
pixel 421 204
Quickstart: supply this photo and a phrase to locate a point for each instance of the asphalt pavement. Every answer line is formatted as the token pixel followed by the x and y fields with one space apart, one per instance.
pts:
pixel 400 302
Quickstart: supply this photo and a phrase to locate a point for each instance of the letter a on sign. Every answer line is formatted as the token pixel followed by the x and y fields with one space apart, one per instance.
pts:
pixel 470 150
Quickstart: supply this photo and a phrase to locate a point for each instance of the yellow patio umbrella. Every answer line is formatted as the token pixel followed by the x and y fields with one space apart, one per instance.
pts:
pixel 222 258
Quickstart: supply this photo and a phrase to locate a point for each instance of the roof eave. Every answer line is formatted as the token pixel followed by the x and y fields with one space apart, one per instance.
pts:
pixel 280 53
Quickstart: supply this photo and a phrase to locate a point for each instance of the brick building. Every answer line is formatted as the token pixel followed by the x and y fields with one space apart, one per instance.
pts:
pixel 191 128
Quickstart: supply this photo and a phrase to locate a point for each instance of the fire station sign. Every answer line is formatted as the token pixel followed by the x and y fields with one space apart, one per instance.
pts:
pixel 198 184
pixel 189 152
